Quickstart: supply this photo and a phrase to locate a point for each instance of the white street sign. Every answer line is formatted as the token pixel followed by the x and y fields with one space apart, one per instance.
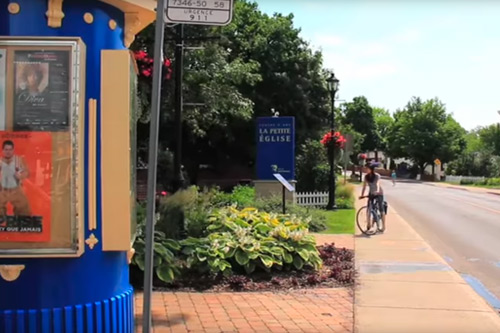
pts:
pixel 205 12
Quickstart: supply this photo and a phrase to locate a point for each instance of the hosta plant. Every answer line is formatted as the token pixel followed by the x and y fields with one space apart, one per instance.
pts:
pixel 165 254
pixel 248 239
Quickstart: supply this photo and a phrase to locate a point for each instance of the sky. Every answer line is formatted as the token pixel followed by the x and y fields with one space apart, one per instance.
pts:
pixel 392 50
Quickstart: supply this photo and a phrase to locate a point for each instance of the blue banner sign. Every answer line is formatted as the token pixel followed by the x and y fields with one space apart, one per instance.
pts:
pixel 275 147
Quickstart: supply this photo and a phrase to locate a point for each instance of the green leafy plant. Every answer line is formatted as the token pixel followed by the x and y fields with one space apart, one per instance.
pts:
pixel 248 239
pixel 166 263
pixel 315 217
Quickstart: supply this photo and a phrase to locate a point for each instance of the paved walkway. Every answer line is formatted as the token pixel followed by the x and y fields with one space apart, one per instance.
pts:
pixel 308 311
pixel 404 286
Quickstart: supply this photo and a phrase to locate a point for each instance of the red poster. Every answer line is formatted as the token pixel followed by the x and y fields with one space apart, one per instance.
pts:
pixel 25 186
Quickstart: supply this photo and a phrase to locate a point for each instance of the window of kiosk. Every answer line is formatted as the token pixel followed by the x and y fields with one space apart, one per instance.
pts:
pixel 39 147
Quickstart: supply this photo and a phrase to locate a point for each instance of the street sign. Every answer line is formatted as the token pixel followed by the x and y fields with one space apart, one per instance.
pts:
pixel 204 12
pixel 284 182
pixel 437 162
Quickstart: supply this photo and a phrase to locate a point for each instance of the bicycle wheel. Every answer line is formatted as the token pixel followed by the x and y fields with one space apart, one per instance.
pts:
pixel 362 218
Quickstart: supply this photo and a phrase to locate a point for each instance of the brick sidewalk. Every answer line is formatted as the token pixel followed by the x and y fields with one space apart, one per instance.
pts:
pixel 314 310
pixel 307 311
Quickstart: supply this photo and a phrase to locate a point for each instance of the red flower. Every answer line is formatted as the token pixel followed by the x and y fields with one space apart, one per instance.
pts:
pixel 362 156
pixel 145 63
pixel 335 138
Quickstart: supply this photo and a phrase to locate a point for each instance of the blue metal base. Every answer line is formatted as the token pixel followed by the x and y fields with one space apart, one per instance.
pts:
pixel 111 315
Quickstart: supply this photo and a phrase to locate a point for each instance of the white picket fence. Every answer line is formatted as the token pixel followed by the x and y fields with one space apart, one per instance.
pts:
pixel 312 199
pixel 458 179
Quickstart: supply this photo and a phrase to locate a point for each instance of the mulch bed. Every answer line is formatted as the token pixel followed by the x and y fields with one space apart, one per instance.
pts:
pixel 337 271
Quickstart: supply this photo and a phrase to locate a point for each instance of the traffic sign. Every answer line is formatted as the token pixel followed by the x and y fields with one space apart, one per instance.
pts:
pixel 437 162
pixel 204 12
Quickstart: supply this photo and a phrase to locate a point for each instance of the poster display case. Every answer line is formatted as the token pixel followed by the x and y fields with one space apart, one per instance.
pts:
pixel 41 153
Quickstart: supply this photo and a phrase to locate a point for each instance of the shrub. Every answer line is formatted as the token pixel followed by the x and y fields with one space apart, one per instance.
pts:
pixel 165 263
pixel 344 196
pixel 249 240
pixel 172 212
pixel 316 217
pixel 241 196
pixel 493 182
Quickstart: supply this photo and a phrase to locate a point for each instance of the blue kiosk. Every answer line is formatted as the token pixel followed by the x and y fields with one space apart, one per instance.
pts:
pixel 67 135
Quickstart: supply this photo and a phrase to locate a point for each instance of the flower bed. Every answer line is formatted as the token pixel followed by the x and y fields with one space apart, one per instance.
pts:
pixel 245 250
pixel 337 271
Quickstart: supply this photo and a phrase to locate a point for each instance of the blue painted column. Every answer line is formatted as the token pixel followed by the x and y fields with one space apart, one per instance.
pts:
pixel 90 293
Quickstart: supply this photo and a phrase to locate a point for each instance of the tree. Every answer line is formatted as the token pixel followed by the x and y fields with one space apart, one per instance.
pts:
pixel 259 62
pixel 423 132
pixel 490 139
pixel 383 123
pixel 480 158
pixel 211 84
pixel 293 81
pixel 360 116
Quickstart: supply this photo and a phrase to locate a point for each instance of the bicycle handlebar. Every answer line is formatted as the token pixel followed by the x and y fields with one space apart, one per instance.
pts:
pixel 369 196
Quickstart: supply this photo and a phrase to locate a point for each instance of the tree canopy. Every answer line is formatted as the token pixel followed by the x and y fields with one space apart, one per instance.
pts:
pixel 256 63
pixel 424 131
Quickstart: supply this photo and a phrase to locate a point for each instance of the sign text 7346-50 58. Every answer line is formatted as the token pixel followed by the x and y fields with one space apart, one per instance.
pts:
pixel 205 12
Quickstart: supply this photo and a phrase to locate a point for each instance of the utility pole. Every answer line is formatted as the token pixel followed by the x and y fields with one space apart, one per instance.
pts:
pixel 152 162
pixel 179 68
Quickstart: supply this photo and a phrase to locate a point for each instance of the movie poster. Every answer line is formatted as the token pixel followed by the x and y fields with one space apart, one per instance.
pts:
pixel 42 91
pixel 25 186
pixel 3 88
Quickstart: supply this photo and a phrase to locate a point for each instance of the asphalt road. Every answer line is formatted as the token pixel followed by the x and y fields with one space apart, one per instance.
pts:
pixel 462 226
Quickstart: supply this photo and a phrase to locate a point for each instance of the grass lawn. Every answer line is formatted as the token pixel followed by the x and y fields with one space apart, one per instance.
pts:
pixel 340 222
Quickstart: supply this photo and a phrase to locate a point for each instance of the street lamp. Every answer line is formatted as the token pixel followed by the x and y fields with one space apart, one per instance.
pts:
pixel 333 87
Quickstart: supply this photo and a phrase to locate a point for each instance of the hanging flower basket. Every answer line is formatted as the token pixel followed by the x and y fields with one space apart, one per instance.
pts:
pixel 334 143
pixel 334 139
pixel 145 65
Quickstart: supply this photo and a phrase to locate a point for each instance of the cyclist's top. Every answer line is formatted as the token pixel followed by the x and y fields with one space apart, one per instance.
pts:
pixel 373 185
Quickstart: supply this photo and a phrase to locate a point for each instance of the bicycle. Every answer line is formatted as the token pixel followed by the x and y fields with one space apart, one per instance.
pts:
pixel 373 216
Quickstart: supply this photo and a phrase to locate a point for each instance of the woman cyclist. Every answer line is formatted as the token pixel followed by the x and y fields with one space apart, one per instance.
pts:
pixel 372 179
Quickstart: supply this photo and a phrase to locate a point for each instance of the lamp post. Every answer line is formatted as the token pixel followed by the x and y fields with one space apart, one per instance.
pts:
pixel 333 86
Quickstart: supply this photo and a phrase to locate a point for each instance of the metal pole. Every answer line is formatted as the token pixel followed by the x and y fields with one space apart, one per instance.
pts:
pixel 152 164
pixel 331 191
pixel 179 67
pixel 284 200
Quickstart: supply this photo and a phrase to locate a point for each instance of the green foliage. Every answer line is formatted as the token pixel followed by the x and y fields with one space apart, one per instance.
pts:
pixel 493 182
pixel 165 263
pixel 241 196
pixel 344 196
pixel 312 167
pixel 478 164
pixel 258 63
pixel 172 210
pixel 424 131
pixel 274 204
pixel 246 240
pixel 383 122
pixel 360 116
pixel 482 156
pixel 487 182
